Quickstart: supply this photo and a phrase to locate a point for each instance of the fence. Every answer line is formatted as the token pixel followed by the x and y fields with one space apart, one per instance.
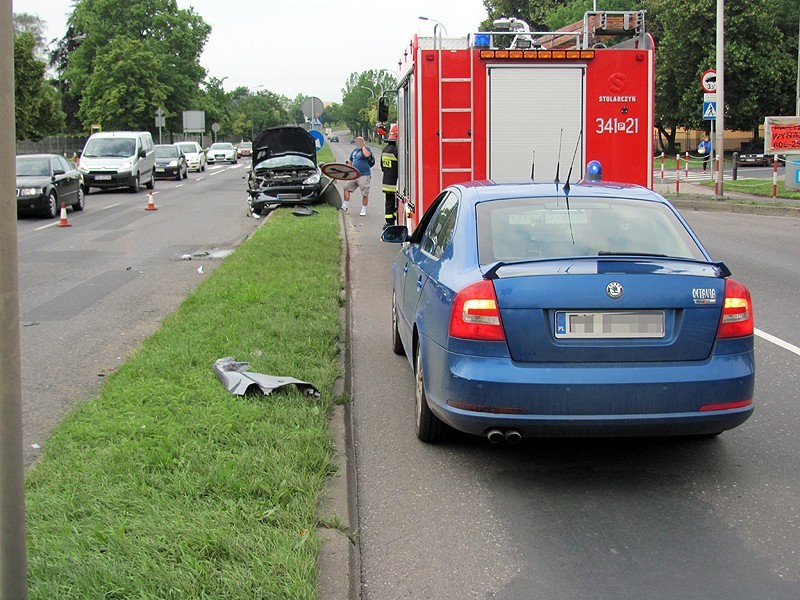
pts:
pixel 65 145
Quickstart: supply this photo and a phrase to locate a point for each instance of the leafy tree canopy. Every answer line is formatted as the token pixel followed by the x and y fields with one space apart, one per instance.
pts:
pixel 168 38
pixel 359 108
pixel 37 111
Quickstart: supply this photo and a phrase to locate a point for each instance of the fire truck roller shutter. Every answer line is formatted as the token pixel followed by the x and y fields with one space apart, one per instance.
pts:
pixel 528 108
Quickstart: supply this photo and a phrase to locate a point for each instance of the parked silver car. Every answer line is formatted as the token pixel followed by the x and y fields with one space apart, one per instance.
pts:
pixel 195 155
pixel 222 152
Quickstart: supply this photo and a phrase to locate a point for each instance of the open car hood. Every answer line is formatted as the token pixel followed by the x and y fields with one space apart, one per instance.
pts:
pixel 282 141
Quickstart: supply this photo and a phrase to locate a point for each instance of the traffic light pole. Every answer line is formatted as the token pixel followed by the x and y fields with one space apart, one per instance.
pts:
pixel 13 554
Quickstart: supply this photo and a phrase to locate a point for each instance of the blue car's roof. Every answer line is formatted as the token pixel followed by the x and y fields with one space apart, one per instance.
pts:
pixel 492 190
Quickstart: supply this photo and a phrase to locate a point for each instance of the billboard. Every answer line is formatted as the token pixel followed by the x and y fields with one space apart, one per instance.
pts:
pixel 782 135
pixel 194 121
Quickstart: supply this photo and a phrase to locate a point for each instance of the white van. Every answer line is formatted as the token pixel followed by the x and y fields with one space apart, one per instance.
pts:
pixel 113 159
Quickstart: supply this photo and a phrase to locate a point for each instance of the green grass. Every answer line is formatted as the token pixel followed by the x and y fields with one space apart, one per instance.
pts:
pixel 168 486
pixel 325 154
pixel 757 187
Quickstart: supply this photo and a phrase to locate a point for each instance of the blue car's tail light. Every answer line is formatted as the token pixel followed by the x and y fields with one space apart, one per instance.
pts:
pixel 737 311
pixel 475 314
pixel 725 406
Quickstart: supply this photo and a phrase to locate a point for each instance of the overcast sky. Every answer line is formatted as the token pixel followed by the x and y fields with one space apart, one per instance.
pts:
pixel 307 47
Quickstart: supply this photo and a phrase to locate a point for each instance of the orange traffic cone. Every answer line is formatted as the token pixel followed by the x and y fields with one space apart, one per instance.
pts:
pixel 63 222
pixel 150 205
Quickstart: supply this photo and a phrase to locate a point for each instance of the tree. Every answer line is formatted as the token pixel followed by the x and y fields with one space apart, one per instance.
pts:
pixel 757 67
pixel 253 113
pixel 36 102
pixel 122 94
pixel 26 22
pixel 359 108
pixel 533 12
pixel 169 39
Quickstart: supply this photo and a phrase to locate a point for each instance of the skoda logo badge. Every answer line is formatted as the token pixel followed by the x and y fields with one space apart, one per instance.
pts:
pixel 614 290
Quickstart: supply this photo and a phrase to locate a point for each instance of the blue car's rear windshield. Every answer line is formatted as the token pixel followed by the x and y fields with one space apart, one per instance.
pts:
pixel 533 228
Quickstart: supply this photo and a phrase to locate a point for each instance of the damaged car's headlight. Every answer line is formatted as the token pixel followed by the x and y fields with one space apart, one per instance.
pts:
pixel 314 179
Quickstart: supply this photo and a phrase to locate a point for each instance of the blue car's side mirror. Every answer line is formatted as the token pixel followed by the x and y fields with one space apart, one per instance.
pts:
pixel 395 234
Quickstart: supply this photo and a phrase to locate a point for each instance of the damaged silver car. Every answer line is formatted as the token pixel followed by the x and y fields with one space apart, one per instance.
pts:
pixel 284 170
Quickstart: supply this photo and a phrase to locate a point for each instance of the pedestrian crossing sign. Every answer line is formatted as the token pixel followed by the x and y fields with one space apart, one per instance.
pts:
pixel 709 111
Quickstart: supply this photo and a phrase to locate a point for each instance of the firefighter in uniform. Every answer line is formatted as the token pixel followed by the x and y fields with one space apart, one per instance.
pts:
pixel 389 168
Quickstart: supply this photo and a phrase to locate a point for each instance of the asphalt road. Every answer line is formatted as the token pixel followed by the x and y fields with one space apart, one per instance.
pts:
pixel 577 519
pixel 91 292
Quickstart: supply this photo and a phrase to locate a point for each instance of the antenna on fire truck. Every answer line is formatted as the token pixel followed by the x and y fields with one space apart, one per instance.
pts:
pixel 533 164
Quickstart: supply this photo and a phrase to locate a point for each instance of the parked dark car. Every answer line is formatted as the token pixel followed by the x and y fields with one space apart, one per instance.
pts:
pixel 284 169
pixel 335 138
pixel 525 312
pixel 171 162
pixel 752 155
pixel 45 182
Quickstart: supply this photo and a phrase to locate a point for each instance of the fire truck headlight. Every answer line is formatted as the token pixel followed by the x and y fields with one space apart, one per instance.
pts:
pixel 594 171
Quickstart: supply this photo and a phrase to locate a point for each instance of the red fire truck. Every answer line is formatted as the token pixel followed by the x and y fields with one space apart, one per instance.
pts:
pixel 517 104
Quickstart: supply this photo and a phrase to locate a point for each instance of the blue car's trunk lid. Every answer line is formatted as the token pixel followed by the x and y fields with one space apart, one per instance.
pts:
pixel 610 311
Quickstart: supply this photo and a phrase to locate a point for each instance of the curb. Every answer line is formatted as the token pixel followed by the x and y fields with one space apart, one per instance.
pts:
pixel 733 206
pixel 338 563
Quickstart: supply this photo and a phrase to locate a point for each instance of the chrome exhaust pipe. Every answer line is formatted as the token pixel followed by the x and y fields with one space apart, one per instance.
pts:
pixel 513 436
pixel 495 436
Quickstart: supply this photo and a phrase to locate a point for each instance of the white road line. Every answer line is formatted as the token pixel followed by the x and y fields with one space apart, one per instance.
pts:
pixel 777 341
pixel 53 224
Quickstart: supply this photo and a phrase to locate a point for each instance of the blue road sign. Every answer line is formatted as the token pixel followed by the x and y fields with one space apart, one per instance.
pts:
pixel 319 138
pixel 709 111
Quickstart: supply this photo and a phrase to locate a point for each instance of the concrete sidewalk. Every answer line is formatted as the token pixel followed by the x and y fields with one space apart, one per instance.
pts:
pixel 693 196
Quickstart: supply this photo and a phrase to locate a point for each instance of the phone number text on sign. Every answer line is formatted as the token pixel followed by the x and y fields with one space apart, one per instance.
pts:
pixel 616 125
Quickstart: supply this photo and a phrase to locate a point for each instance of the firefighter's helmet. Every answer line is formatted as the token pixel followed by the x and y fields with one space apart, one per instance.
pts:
pixel 392 133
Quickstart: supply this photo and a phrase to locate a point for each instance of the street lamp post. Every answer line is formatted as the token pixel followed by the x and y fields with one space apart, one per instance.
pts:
pixel 13 550
pixel 720 141
pixel 438 23
pixel 371 91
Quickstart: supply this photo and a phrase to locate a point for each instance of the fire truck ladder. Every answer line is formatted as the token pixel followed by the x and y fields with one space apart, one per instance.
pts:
pixel 455 110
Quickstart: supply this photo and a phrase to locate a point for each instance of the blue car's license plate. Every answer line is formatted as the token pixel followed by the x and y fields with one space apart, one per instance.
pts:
pixel 613 324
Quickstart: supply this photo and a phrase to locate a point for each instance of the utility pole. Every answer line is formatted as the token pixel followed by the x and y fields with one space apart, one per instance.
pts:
pixel 13 553
pixel 720 141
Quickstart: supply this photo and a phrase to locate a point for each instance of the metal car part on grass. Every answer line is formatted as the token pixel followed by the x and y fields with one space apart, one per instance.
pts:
pixel 236 377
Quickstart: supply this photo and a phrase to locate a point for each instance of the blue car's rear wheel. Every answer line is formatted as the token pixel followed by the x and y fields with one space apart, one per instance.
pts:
pixel 428 426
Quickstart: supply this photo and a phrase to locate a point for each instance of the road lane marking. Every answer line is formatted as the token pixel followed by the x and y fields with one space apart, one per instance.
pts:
pixel 777 341
pixel 46 226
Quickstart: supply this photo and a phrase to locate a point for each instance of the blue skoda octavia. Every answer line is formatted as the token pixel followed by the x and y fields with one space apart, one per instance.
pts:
pixel 526 311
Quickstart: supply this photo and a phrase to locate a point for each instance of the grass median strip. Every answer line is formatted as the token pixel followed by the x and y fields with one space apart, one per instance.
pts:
pixel 168 486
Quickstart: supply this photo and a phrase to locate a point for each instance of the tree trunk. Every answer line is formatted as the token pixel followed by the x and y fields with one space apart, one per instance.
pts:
pixel 666 138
